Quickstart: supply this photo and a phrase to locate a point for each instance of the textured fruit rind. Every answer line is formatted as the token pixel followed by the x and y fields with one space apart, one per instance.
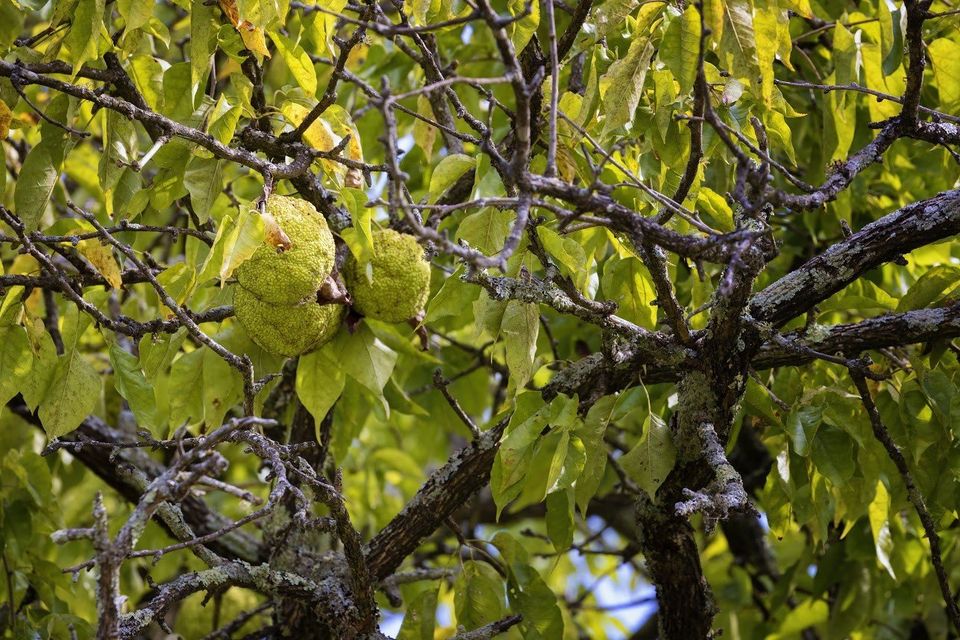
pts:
pixel 400 283
pixel 287 330
pixel 291 276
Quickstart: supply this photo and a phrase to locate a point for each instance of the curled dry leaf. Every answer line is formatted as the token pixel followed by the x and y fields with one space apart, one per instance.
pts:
pixel 253 36
pixel 353 179
pixel 273 233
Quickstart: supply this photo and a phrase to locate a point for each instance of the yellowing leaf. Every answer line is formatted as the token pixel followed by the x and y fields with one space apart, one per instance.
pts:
pixel 945 58
pixel 252 35
pixel 5 117
pixel 297 60
pixel 244 238
pixel 102 258
pixel 342 125
pixel 738 45
pixel 522 30
pixel 253 38
pixel 622 86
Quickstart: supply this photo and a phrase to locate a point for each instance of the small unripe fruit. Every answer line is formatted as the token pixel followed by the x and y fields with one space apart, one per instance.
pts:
pixel 294 274
pixel 287 330
pixel 394 284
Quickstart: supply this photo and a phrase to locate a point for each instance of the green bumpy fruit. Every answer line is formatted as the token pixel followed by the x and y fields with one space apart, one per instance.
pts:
pixel 287 330
pixel 291 276
pixel 399 278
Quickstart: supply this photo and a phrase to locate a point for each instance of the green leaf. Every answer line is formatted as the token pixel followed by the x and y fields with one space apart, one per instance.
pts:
pixel 36 181
pixel 424 134
pixel 297 60
pixel 844 55
pixel 560 519
pixel 119 149
pixel 320 382
pixel 486 230
pixel 86 21
pixel 359 236
pixel 714 209
pixel 622 85
pixel 511 467
pixel 364 358
pixel 448 171
pixel 421 617
pixel 928 287
pixel 611 15
pixel 892 36
pixel 834 453
pixel 520 31
pixel 478 595
pixel 568 253
pixel 147 74
pixel 649 462
pixel 130 383
pixel 879 512
pixel 202 42
pixel 135 13
pixel 202 180
pixel 207 387
pixel 223 120
pixel 246 235
pixel 680 48
pixel 186 375
pixel 591 433
pixel 806 614
pixel 72 395
pixel 714 19
pixel 158 352
pixel 16 361
pixel 765 25
pixel 801 425
pixel 11 23
pixel 738 44
pixel 520 328
pixel 629 283
pixel 453 298
pixel 36 384
pixel 528 593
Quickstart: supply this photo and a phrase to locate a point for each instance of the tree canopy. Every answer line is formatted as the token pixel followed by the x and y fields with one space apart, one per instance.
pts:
pixel 686 363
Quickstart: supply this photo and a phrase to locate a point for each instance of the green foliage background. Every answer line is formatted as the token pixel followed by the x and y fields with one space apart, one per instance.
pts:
pixel 849 556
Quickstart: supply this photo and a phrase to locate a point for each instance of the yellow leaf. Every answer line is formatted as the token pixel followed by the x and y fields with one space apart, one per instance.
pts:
pixel 253 38
pixel 101 257
pixel 5 117
pixel 318 135
pixel 252 35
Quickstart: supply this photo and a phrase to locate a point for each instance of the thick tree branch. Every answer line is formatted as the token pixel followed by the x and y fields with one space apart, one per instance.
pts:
pixel 886 239
pixel 445 491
